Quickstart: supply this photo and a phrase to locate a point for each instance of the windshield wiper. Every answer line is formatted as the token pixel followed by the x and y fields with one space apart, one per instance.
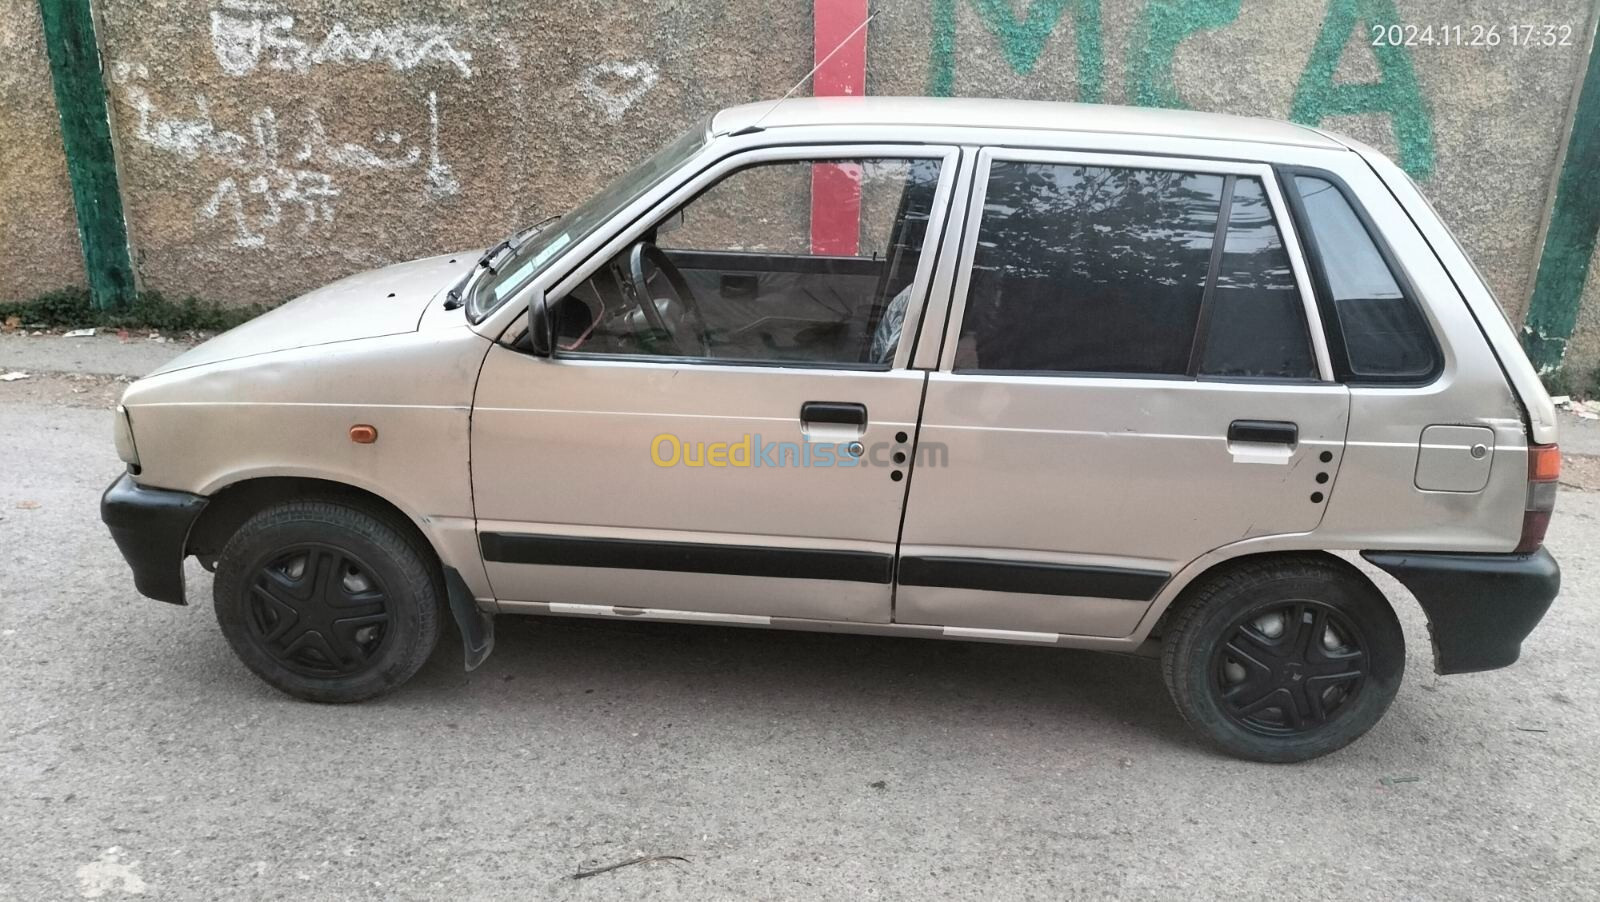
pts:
pixel 514 243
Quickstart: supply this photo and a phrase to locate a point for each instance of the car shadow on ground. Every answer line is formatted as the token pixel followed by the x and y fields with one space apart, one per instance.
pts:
pixel 807 676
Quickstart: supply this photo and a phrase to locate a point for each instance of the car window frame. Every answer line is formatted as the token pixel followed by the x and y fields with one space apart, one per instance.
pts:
pixel 574 268
pixel 972 222
pixel 1322 288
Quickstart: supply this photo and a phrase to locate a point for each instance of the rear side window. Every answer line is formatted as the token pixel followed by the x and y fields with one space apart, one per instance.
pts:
pixel 1109 270
pixel 1257 322
pixel 1380 330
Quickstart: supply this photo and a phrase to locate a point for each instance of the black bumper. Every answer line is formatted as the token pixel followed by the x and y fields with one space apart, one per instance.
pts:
pixel 1480 606
pixel 150 527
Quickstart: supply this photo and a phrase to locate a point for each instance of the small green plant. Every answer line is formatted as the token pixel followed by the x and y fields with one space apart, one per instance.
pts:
pixel 70 308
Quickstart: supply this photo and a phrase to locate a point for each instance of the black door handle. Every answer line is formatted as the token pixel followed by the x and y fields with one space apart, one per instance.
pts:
pixel 1273 432
pixel 833 412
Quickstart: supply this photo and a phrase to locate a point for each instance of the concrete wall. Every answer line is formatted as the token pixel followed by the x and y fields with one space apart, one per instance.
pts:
pixel 268 146
pixel 39 248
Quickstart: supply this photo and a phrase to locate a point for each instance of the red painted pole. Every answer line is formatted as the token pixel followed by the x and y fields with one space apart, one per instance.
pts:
pixel 836 187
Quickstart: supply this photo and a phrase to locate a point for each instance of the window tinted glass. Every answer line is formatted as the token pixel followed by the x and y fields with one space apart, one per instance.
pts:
pixel 1089 269
pixel 1383 332
pixel 1256 321
pixel 753 269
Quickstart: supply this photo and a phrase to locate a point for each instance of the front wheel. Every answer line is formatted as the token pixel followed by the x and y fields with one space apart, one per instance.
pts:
pixel 1284 660
pixel 328 602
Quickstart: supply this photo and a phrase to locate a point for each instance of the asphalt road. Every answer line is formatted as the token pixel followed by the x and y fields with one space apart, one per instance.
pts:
pixel 136 754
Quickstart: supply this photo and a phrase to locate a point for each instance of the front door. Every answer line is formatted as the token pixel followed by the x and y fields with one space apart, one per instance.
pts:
pixel 717 428
pixel 1129 380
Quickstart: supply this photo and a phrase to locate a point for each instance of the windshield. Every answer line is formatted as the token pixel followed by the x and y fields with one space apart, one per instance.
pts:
pixel 582 220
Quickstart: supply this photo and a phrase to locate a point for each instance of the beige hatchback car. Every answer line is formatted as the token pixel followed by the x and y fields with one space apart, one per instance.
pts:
pixel 1081 376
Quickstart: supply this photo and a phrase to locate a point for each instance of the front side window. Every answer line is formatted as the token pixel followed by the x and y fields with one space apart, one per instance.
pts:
pixel 1383 335
pixel 805 262
pixel 1092 269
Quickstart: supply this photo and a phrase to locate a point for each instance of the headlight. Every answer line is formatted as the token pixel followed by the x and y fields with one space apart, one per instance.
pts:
pixel 122 431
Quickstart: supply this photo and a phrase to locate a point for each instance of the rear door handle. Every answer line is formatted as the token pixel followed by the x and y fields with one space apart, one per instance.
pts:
pixel 1271 432
pixel 841 412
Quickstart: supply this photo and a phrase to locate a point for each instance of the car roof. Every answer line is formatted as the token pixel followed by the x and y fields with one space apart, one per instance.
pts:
pixel 969 112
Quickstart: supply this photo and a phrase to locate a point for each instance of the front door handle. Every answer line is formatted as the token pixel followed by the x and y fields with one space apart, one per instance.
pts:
pixel 838 412
pixel 1269 432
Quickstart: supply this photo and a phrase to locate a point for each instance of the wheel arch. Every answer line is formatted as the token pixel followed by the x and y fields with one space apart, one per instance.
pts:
pixel 1189 580
pixel 230 506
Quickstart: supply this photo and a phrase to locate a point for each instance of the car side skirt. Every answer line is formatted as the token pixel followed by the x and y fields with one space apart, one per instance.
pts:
pixel 903 630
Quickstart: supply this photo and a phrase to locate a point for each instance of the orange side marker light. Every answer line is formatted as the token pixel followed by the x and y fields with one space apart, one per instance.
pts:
pixel 362 434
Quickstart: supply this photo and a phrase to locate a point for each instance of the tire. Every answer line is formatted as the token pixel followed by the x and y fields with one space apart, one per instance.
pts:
pixel 327 601
pixel 1284 659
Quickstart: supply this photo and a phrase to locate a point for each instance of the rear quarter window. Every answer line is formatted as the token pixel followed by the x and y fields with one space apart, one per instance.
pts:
pixel 1375 328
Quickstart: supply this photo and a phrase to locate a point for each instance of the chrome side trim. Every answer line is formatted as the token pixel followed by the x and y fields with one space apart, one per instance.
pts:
pixel 606 610
pixel 970 632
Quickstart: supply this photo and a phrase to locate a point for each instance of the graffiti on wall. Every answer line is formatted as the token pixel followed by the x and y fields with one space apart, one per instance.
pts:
pixel 1166 24
pixel 246 34
pixel 274 174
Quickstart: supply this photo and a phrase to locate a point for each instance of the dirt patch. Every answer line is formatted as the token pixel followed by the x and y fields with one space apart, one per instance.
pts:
pixel 65 390
pixel 1580 471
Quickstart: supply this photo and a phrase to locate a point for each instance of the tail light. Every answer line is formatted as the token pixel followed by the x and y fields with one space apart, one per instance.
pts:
pixel 1544 469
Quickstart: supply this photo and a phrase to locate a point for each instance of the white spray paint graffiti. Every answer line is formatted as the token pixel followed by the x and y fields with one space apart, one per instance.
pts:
pixel 245 31
pixel 266 180
pixel 283 172
pixel 615 86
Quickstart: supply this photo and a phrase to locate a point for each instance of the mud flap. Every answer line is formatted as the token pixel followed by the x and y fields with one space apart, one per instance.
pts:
pixel 476 625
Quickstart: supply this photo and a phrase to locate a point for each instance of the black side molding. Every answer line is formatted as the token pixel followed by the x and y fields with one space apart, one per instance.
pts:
pixel 151 527
pixel 1033 578
pixel 687 557
pixel 1480 606
pixel 1275 432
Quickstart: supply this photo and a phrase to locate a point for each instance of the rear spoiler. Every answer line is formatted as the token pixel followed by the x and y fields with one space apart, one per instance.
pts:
pixel 1491 318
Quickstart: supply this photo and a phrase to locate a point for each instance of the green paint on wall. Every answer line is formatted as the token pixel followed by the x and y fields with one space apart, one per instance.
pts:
pixel 1396 91
pixel 86 137
pixel 1022 41
pixel 1164 25
pixel 1569 241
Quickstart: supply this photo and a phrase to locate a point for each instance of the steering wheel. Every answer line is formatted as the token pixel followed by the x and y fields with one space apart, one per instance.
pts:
pixel 648 265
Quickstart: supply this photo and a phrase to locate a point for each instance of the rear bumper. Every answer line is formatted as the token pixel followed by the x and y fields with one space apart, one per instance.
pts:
pixel 150 527
pixel 1480 606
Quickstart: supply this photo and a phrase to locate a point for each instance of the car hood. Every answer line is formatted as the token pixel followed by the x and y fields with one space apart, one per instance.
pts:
pixel 383 301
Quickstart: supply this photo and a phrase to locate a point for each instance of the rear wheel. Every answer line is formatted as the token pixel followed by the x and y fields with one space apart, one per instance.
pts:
pixel 328 602
pixel 1285 659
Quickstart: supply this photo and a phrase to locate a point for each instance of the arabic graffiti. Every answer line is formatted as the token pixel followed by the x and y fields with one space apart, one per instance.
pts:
pixel 1166 24
pixel 271 175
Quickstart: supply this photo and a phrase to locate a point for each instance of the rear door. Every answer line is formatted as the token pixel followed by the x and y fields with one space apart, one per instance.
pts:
pixel 1129 379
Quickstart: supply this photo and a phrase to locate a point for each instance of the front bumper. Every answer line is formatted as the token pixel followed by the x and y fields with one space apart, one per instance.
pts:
pixel 1480 606
pixel 150 527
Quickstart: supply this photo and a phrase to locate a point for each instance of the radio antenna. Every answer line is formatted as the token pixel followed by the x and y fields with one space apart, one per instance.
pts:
pixel 756 126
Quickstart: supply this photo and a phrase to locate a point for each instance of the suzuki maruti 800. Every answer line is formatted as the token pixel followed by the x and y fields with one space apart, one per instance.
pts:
pixel 1080 376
